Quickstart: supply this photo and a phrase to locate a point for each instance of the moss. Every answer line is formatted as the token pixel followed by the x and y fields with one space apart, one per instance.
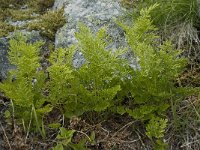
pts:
pixel 127 3
pixel 4 14
pixel 41 5
pixel 11 3
pixel 49 23
pixel 7 5
pixel 21 14
pixel 12 8
pixel 5 28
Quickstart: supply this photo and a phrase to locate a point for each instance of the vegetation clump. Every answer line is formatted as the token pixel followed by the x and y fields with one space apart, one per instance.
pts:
pixel 102 85
pixel 168 13
pixel 38 5
pixel 49 23
pixel 11 3
pixel 41 5
pixel 21 15
pixel 5 28
pixel 12 9
pixel 24 84
pixel 177 20
pixel 105 85
pixel 128 3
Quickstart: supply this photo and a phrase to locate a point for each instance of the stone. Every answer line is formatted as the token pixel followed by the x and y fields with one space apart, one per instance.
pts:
pixel 94 14
pixel 4 63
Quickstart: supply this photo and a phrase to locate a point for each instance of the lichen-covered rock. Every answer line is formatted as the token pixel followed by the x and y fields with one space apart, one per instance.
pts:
pixel 4 63
pixel 94 14
pixel 58 4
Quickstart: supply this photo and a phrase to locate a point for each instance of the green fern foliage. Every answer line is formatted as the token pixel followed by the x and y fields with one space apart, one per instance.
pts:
pixel 24 84
pixel 60 73
pixel 156 127
pixel 96 83
pixel 93 86
pixel 153 84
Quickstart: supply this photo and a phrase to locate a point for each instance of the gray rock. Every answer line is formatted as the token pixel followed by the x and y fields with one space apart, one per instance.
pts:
pixel 93 13
pixel 60 3
pixel 4 63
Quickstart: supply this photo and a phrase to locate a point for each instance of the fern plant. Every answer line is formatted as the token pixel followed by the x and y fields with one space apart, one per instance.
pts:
pixel 99 76
pixel 156 129
pixel 24 84
pixel 65 137
pixel 64 140
pixel 152 86
pixel 93 86
pixel 60 74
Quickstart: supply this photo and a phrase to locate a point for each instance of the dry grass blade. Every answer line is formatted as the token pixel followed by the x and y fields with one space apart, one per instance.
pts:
pixel 6 137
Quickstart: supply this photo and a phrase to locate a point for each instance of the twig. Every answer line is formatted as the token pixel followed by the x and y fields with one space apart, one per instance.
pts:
pixel 13 116
pixel 84 134
pixel 126 125
pixel 29 125
pixel 187 144
pixel 140 139
pixel 108 133
pixel 133 141
pixel 198 115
